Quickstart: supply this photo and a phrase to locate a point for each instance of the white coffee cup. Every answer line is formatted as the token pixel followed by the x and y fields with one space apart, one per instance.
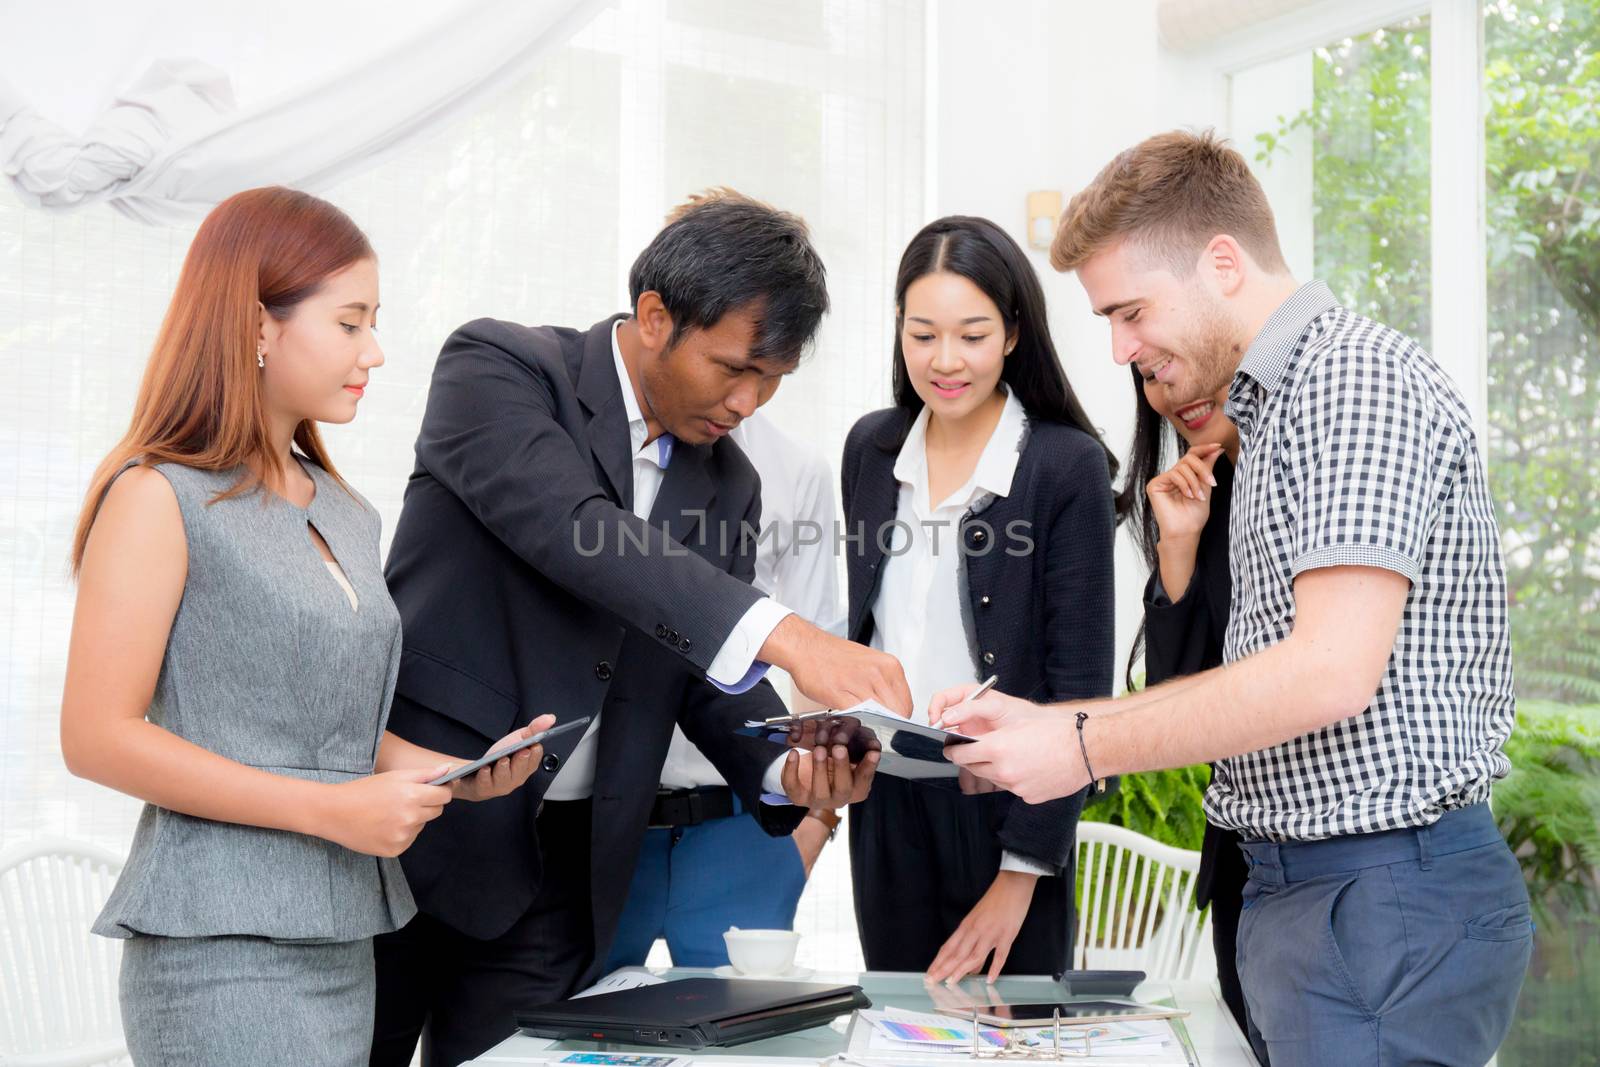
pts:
pixel 761 952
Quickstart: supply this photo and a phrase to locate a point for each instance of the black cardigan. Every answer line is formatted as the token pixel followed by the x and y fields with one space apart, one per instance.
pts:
pixel 1185 637
pixel 1042 621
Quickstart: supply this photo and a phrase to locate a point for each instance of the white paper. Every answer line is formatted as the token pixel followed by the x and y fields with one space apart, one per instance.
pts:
pixel 620 979
pixel 1139 1043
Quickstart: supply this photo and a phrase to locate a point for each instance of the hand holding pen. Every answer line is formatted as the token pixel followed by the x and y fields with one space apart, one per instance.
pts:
pixel 969 782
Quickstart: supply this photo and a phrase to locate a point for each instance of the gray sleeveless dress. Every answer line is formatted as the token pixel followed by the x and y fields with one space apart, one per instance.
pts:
pixel 249 945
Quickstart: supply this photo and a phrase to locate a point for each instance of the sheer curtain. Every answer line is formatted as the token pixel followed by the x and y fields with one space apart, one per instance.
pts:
pixel 530 208
pixel 163 113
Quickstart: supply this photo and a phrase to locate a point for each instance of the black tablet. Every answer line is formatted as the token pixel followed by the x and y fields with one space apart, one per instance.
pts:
pixel 527 742
pixel 1074 1012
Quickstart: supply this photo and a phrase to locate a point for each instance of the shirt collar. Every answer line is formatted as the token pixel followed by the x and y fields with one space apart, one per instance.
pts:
pixel 661 454
pixel 1267 358
pixel 997 465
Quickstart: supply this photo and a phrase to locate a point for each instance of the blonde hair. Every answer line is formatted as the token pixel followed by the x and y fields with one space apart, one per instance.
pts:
pixel 1170 194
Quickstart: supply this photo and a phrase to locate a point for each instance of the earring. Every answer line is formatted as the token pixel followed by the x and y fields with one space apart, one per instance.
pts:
pixel 260 358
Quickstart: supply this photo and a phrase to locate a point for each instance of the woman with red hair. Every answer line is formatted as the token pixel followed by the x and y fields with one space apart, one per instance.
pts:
pixel 234 651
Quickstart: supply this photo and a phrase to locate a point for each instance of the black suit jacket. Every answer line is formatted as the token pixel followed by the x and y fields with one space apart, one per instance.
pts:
pixel 1185 637
pixel 1042 621
pixel 516 600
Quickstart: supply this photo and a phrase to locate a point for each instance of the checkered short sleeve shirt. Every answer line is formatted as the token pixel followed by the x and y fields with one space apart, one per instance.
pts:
pixel 1356 448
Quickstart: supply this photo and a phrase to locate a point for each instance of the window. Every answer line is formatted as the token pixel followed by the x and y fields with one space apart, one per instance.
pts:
pixel 1542 155
pixel 1343 135
pixel 1346 165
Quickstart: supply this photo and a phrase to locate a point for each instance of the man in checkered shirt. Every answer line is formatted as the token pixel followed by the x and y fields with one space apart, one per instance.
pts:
pixel 1366 696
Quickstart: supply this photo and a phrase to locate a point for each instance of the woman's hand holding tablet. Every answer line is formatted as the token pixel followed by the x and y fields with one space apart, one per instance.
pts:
pixel 492 778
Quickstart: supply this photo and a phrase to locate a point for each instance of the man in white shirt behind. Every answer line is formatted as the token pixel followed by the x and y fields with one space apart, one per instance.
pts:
pixel 706 865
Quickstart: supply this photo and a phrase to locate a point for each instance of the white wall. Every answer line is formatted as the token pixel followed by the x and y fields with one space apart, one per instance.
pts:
pixel 1040 94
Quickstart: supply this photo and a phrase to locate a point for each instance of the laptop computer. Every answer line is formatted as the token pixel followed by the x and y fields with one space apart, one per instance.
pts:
pixel 694 1012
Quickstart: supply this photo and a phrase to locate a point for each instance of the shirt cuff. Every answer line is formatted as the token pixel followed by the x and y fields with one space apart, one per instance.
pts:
pixel 735 668
pixel 1011 861
pixel 772 784
pixel 1358 556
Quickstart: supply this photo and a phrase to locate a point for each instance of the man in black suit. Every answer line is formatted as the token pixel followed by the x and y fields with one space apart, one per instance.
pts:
pixel 535 573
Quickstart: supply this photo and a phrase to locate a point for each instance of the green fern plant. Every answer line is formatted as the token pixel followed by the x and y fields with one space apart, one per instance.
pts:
pixel 1548 808
pixel 1164 805
pixel 1557 654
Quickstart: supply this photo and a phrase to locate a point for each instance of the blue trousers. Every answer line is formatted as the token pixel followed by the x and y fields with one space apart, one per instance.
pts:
pixel 1401 947
pixel 693 882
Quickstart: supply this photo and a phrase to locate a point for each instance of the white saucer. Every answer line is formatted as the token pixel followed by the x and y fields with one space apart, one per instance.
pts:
pixel 793 974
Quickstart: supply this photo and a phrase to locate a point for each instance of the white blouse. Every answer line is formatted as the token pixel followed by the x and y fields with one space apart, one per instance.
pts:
pixel 917 613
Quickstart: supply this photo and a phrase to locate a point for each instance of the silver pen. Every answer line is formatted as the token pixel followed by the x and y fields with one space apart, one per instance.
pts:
pixel 987 684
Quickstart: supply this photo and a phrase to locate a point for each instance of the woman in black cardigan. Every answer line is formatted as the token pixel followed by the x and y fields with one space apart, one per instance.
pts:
pixel 983 500
pixel 1181 524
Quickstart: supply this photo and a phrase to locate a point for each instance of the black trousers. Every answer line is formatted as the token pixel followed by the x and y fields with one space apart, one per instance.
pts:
pixel 921 855
pixel 1224 874
pixel 460 995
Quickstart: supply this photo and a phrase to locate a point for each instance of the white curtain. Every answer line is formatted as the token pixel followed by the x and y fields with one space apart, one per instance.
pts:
pixel 164 110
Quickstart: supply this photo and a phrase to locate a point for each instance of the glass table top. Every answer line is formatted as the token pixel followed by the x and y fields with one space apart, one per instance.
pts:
pixel 884 989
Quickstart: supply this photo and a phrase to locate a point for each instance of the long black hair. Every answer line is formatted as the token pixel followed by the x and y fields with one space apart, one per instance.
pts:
pixel 985 255
pixel 1152 434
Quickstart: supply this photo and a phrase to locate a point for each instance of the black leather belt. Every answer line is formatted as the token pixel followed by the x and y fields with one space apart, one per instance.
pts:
pixel 691 807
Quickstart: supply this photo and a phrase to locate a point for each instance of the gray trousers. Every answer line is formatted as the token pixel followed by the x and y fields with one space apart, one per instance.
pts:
pixel 228 1001
pixel 1401 947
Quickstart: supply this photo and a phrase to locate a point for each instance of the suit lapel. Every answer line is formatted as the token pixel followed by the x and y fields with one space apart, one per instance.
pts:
pixel 601 394
pixel 878 500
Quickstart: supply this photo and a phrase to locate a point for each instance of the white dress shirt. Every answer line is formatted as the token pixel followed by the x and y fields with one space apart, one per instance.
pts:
pixel 734 669
pixel 917 614
pixel 795 563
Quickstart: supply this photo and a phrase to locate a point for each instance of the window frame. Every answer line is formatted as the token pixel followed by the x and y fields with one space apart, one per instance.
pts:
pixel 1457 178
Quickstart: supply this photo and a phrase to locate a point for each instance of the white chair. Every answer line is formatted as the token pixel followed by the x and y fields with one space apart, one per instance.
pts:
pixel 1136 908
pixel 58 982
